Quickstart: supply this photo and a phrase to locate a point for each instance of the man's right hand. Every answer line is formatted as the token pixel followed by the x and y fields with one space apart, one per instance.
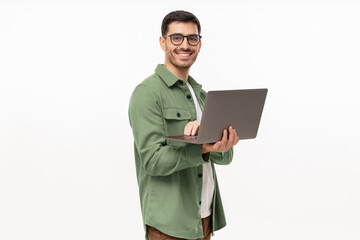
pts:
pixel 224 144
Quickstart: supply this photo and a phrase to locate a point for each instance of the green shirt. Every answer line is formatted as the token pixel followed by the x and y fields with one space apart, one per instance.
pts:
pixel 169 173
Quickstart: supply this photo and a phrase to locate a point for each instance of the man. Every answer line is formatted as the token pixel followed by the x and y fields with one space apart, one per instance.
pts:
pixel 179 193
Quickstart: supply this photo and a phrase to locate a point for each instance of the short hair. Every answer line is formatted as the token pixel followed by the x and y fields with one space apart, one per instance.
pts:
pixel 178 16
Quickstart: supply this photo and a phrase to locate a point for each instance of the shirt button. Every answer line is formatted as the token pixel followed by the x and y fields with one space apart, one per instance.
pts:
pixel 188 97
pixel 200 174
pixel 178 114
pixel 199 202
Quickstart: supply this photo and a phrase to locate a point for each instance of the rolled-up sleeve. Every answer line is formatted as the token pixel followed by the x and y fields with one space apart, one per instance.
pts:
pixel 222 158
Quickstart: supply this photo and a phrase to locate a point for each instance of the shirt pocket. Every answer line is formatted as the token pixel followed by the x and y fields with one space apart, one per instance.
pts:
pixel 175 121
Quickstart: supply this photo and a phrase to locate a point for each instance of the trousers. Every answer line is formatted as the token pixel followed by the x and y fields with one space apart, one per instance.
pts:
pixel 154 234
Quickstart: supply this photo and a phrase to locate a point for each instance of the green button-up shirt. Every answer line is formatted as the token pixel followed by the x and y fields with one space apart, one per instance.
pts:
pixel 169 173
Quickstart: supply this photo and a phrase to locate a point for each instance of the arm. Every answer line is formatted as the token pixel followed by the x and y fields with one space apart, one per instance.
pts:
pixel 222 158
pixel 147 123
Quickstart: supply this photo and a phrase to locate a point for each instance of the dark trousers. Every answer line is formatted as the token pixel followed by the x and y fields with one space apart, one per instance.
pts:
pixel 155 234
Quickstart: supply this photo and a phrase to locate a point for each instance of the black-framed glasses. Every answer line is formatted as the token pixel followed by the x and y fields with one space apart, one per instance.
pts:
pixel 177 39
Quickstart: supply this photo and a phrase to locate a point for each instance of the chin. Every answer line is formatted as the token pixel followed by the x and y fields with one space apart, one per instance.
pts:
pixel 184 65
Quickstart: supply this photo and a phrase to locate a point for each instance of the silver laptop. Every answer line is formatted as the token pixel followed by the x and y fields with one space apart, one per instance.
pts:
pixel 241 109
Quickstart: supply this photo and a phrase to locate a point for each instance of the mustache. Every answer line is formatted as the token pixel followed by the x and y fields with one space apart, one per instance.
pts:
pixel 184 50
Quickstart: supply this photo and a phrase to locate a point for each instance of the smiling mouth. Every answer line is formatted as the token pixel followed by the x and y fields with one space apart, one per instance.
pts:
pixel 184 54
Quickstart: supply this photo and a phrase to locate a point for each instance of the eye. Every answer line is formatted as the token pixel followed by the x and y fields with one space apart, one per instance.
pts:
pixel 193 38
pixel 177 37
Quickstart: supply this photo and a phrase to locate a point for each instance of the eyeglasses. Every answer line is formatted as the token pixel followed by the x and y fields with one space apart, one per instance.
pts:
pixel 177 39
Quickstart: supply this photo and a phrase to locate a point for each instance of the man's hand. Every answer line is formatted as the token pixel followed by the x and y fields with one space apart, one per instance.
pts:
pixel 224 144
pixel 192 128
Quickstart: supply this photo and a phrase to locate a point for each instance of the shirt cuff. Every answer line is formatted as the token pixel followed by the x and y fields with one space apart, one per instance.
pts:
pixel 206 156
pixel 194 156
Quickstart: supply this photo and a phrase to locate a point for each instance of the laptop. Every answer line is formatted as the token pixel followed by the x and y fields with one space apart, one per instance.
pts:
pixel 241 109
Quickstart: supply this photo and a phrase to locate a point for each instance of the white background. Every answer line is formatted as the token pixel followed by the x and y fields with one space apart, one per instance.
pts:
pixel 68 68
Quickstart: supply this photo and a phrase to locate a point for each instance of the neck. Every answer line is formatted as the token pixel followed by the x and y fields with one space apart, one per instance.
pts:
pixel 181 73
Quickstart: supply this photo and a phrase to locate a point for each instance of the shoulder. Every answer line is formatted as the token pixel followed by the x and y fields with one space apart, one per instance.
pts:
pixel 147 91
pixel 153 82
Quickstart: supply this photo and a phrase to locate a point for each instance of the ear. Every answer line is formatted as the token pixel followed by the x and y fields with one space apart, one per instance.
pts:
pixel 162 43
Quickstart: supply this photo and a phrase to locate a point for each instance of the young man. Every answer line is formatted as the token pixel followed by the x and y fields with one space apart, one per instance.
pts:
pixel 179 193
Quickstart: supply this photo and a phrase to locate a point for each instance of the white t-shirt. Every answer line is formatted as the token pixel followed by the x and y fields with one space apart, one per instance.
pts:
pixel 208 178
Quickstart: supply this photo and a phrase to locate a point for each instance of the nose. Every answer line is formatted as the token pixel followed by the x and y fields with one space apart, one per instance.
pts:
pixel 185 44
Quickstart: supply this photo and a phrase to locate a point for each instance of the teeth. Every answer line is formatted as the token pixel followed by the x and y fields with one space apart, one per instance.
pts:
pixel 183 54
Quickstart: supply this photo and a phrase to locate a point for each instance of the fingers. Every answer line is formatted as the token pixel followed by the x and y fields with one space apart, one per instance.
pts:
pixel 231 139
pixel 220 145
pixel 188 128
pixel 224 144
pixel 236 138
pixel 225 136
pixel 191 128
pixel 195 130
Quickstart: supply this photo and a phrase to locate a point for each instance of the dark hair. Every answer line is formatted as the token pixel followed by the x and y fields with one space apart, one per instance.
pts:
pixel 178 16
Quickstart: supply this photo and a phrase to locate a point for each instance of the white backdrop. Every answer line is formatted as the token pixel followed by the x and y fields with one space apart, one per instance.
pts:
pixel 68 68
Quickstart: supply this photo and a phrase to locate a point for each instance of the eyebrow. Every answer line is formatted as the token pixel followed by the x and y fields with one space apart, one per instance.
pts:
pixel 184 35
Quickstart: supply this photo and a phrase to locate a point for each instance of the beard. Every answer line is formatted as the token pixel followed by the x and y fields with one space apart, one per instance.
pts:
pixel 172 59
pixel 180 64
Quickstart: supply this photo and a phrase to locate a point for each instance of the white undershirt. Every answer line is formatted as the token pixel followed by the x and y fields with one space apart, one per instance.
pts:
pixel 208 179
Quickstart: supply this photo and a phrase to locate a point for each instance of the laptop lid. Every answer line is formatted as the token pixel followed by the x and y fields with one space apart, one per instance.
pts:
pixel 241 109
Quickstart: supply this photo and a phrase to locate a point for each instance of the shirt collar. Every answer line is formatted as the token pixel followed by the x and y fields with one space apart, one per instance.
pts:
pixel 193 83
pixel 170 79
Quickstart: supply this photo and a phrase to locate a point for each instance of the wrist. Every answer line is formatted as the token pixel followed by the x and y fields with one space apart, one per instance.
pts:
pixel 204 150
pixel 206 156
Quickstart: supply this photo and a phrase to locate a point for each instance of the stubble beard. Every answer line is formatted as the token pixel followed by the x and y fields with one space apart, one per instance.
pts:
pixel 185 65
pixel 171 59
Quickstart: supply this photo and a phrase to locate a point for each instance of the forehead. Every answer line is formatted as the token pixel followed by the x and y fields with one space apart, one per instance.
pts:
pixel 184 28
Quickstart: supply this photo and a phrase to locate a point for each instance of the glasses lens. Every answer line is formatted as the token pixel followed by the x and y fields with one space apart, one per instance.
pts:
pixel 193 39
pixel 177 39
